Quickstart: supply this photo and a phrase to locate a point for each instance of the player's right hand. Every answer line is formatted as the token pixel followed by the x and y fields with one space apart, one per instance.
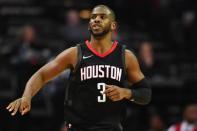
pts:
pixel 23 105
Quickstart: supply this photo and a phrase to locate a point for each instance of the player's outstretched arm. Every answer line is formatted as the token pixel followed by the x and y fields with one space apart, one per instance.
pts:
pixel 65 60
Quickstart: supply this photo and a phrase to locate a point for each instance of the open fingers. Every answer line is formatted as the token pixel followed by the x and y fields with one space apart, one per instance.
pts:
pixel 16 107
pixel 12 105
pixel 9 106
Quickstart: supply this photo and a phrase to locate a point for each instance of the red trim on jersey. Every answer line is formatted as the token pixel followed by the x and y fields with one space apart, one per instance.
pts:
pixel 103 54
pixel 178 127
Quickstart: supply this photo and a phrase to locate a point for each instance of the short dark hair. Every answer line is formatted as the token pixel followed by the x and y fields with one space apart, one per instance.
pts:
pixel 111 11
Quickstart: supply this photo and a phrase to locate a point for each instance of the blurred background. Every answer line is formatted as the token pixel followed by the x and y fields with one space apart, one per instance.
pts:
pixel 162 34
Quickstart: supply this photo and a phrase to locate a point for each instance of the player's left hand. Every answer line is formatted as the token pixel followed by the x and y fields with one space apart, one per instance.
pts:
pixel 116 93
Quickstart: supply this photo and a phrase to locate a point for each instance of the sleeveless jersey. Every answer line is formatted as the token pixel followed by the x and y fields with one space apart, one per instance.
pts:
pixel 85 102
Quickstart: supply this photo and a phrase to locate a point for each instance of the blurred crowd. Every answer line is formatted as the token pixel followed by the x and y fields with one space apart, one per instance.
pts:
pixel 161 33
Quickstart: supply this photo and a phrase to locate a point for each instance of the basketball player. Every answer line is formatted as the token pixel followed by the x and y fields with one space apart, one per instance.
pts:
pixel 96 96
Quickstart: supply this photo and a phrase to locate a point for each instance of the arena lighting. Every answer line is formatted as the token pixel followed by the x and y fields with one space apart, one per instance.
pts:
pixel 85 14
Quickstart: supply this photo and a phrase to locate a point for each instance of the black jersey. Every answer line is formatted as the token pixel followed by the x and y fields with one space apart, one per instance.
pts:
pixel 85 102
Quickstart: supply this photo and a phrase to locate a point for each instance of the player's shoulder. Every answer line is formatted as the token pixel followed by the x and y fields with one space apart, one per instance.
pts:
pixel 75 49
pixel 129 54
pixel 130 58
pixel 69 54
pixel 70 51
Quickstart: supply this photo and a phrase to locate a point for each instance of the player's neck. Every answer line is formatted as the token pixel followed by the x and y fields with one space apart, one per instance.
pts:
pixel 101 45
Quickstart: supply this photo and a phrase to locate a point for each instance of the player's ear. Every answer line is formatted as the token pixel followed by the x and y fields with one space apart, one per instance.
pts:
pixel 113 25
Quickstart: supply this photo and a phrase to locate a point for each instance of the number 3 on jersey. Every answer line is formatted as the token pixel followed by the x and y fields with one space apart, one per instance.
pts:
pixel 101 88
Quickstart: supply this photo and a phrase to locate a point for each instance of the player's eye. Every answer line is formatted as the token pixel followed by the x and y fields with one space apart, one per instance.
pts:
pixel 102 16
pixel 93 16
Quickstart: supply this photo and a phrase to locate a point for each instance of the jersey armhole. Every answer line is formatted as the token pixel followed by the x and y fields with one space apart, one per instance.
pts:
pixel 79 58
pixel 123 58
pixel 71 76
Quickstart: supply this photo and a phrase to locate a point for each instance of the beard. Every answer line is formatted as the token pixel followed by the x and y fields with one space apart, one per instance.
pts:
pixel 100 34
